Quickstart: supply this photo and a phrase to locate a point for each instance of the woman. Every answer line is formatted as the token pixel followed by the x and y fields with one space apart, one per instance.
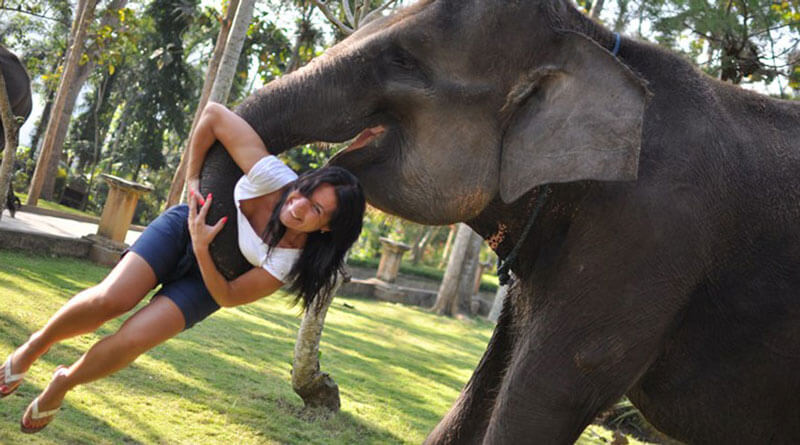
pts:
pixel 306 226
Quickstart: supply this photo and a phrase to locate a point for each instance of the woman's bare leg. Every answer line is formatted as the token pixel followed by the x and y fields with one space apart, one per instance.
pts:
pixel 119 292
pixel 150 326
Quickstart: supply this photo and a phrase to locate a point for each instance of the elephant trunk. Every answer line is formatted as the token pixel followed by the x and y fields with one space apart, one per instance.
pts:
pixel 314 103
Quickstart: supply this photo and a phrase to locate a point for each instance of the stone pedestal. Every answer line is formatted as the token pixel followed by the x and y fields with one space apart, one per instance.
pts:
pixel 120 205
pixel 391 255
pixel 109 242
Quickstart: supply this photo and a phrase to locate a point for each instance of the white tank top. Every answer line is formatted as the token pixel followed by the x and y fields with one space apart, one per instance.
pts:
pixel 266 176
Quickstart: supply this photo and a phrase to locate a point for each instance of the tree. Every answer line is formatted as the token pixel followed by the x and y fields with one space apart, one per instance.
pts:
pixel 418 248
pixel 67 78
pixel 316 388
pixel 457 283
pixel 233 48
pixel 448 245
pixel 734 40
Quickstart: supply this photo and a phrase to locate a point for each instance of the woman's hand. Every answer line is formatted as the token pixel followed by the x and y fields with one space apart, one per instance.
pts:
pixel 201 233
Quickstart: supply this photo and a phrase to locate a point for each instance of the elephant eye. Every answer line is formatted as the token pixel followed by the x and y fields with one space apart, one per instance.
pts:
pixel 398 58
pixel 402 62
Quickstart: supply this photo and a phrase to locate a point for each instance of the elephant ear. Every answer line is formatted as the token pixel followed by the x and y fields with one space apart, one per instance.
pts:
pixel 577 117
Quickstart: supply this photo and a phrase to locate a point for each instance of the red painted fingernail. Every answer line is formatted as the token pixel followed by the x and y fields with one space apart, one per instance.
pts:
pixel 224 219
pixel 209 196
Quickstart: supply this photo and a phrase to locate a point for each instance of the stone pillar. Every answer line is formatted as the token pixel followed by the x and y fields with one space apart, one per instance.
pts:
pixel 391 255
pixel 109 242
pixel 120 205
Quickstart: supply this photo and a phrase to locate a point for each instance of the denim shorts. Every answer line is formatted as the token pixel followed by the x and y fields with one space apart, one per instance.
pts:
pixel 166 246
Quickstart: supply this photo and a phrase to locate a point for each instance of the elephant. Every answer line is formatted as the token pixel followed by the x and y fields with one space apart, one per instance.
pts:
pixel 663 256
pixel 18 86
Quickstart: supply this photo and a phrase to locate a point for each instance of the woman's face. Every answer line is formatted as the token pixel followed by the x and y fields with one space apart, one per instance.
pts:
pixel 309 214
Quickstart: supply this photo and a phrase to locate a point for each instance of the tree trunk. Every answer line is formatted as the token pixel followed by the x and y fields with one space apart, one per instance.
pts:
pixel 110 18
pixel 497 306
pixel 466 280
pixel 11 130
pixel 316 388
pixel 621 21
pixel 447 298
pixel 179 178
pixel 597 8
pixel 36 139
pixel 447 245
pixel 422 242
pixel 233 49
pixel 67 78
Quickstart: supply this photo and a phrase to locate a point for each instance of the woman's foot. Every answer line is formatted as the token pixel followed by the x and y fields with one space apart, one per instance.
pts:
pixel 17 364
pixel 43 408
pixel 11 376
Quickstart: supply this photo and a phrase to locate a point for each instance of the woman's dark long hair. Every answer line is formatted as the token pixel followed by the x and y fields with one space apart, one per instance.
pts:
pixel 322 258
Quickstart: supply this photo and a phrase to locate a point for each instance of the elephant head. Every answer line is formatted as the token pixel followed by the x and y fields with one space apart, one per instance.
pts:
pixel 18 86
pixel 451 102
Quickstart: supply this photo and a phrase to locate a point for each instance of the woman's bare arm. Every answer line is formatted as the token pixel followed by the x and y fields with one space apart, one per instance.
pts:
pixel 249 287
pixel 217 123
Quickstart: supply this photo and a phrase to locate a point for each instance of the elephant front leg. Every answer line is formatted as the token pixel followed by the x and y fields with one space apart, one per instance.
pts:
pixel 467 420
pixel 562 374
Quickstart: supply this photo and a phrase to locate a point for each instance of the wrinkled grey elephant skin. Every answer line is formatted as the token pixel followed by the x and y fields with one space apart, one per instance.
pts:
pixel 665 263
pixel 18 86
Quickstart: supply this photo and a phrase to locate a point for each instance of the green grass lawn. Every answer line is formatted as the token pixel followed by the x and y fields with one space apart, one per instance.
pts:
pixel 227 381
pixel 50 205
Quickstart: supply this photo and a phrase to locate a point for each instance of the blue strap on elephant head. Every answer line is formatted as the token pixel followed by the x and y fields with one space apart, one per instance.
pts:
pixel 617 41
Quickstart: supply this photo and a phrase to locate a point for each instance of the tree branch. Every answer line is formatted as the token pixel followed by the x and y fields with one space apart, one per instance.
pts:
pixel 348 12
pixel 330 16
pixel 377 11
pixel 21 11
pixel 705 36
pixel 774 28
pixel 360 13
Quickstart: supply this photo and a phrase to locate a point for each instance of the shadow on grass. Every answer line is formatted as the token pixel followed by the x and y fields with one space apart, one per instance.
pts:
pixel 237 365
pixel 237 371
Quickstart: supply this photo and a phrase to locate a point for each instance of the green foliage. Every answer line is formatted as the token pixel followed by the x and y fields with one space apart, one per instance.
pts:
pixel 734 40
pixel 164 84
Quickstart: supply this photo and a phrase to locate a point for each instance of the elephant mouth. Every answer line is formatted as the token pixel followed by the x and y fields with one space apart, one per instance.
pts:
pixel 365 138
pixel 370 147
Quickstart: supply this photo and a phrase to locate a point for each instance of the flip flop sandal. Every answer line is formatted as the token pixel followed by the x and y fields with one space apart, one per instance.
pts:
pixel 9 378
pixel 37 415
